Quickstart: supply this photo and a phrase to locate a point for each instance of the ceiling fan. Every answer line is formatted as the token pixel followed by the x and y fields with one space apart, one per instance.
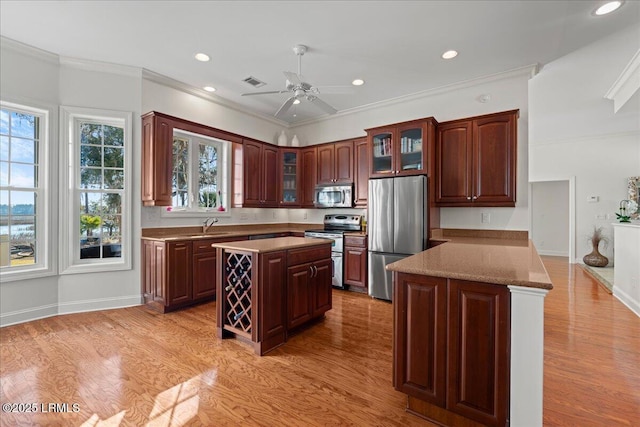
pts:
pixel 302 90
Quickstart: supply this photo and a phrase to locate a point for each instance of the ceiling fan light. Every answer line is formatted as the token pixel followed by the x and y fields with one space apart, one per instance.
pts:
pixel 202 57
pixel 357 82
pixel 209 88
pixel 450 54
pixel 608 8
pixel 296 101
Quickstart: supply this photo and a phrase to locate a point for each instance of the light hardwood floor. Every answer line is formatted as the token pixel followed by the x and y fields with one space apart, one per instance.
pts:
pixel 135 367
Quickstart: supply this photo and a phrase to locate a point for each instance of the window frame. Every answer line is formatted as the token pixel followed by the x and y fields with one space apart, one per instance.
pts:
pixel 44 265
pixel 224 177
pixel 70 261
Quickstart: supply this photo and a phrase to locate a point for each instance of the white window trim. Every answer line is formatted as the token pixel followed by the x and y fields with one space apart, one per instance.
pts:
pixel 224 171
pixel 44 221
pixel 70 262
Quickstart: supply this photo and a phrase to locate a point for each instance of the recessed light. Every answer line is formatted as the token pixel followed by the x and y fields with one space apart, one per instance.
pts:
pixel 296 101
pixel 209 88
pixel 450 54
pixel 357 82
pixel 202 57
pixel 608 7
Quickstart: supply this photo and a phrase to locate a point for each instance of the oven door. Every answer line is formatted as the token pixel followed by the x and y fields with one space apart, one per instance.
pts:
pixel 337 276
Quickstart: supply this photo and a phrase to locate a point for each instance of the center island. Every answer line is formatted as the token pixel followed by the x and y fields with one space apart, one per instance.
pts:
pixel 267 288
pixel 469 330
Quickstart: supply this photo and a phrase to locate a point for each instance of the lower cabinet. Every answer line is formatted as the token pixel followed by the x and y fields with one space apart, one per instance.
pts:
pixel 308 285
pixel 355 261
pixel 451 348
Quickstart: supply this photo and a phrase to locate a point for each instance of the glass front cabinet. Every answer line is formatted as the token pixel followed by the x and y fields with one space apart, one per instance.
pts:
pixel 401 149
pixel 289 178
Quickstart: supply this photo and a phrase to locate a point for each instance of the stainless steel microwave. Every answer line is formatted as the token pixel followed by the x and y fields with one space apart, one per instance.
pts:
pixel 333 196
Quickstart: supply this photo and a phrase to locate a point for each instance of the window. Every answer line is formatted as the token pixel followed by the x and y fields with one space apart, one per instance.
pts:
pixel 98 212
pixel 23 198
pixel 199 176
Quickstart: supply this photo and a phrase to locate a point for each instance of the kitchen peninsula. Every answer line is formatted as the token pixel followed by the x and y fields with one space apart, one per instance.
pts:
pixel 267 288
pixel 469 329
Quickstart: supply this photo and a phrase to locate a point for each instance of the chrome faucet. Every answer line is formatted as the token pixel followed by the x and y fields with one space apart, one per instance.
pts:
pixel 208 223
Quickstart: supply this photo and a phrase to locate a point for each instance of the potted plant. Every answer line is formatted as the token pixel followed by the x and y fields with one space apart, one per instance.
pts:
pixel 595 258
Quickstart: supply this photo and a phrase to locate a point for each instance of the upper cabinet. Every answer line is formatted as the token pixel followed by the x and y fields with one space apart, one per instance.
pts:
pixel 335 163
pixel 402 149
pixel 476 161
pixel 290 177
pixel 157 144
pixel 308 176
pixel 260 164
pixel 361 173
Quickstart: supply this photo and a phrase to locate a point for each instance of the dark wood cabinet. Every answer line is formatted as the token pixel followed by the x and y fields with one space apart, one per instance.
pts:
pixel 299 294
pixel 402 149
pixel 361 173
pixel 204 270
pixel 451 347
pixel 335 163
pixel 355 261
pixel 476 161
pixel 260 170
pixel 290 177
pixel 272 297
pixel 157 144
pixel 308 174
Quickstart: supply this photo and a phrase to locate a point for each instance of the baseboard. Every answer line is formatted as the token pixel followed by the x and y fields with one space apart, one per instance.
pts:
pixel 627 300
pixel 49 310
pixel 552 253
pixel 99 304
pixel 26 315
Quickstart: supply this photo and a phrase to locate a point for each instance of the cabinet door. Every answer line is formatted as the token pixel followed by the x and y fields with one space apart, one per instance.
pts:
pixel 478 351
pixel 355 266
pixel 325 157
pixel 420 341
pixel 204 275
pixel 253 181
pixel 494 159
pixel 159 275
pixel 271 298
pixel 269 176
pixel 381 142
pixel 157 143
pixel 343 162
pixel 299 294
pixel 179 260
pixel 361 174
pixel 322 290
pixel 308 165
pixel 148 267
pixel 453 163
pixel 289 181
pixel 411 149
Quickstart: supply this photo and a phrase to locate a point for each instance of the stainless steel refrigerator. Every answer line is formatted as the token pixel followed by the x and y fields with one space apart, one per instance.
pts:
pixel 397 221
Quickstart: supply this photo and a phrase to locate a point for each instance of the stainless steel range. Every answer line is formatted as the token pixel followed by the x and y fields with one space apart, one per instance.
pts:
pixel 334 228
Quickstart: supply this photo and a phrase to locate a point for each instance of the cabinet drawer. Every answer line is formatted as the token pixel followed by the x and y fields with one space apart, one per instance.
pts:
pixel 358 241
pixel 301 256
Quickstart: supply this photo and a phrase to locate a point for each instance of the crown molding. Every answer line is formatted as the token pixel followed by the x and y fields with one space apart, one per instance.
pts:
pixel 529 70
pixel 627 83
pixel 175 84
pixel 25 49
pixel 101 67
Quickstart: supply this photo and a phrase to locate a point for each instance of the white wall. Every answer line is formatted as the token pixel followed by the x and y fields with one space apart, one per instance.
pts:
pixel 574 131
pixel 508 92
pixel 550 217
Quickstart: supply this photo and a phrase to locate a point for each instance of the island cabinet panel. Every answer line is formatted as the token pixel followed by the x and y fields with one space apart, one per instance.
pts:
pixel 299 295
pixel 271 294
pixel 420 347
pixel 321 287
pixel 479 351
pixel 451 349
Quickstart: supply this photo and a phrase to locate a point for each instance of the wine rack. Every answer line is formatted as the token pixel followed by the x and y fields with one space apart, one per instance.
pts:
pixel 237 290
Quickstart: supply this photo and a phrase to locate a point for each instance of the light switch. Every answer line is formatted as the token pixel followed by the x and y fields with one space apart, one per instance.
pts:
pixel 486 218
pixel 592 199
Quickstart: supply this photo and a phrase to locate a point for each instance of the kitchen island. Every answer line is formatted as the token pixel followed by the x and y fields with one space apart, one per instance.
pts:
pixel 268 288
pixel 469 331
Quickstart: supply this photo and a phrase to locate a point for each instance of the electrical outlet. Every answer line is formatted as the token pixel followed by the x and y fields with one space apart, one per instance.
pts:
pixel 486 217
pixel 304 216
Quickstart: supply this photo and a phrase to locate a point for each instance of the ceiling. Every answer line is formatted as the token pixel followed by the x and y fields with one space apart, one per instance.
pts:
pixel 395 46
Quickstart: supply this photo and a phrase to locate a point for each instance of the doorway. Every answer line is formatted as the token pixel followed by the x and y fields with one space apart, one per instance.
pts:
pixel 551 222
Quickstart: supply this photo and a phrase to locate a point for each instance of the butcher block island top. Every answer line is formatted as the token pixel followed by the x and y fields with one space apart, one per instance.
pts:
pixel 272 245
pixel 489 260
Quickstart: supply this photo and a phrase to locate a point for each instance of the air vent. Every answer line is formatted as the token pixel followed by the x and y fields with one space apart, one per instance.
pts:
pixel 254 82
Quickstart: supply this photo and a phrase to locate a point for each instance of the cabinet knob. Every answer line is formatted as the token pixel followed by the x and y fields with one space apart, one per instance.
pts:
pixel 468 197
pixel 475 197
pixel 213 244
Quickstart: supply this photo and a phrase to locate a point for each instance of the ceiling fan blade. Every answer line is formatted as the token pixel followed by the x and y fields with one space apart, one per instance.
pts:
pixel 333 89
pixel 323 105
pixel 295 79
pixel 264 93
pixel 285 107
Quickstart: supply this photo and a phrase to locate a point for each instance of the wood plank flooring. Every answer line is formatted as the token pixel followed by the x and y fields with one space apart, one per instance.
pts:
pixel 134 367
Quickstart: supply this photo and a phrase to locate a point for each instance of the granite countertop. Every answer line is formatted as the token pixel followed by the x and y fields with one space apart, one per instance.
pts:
pixel 272 245
pixel 221 231
pixel 501 261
